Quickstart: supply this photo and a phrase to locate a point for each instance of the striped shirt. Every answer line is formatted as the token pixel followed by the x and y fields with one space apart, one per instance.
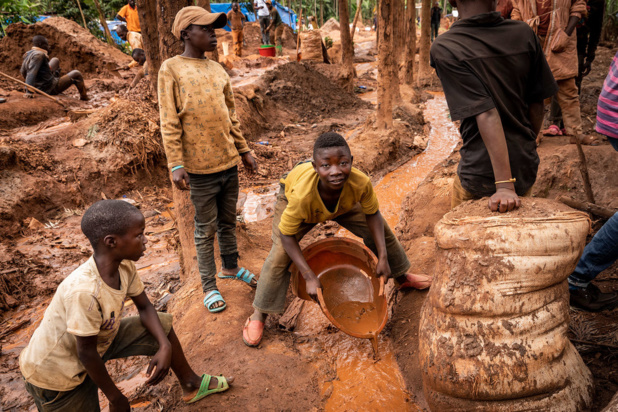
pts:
pixel 607 107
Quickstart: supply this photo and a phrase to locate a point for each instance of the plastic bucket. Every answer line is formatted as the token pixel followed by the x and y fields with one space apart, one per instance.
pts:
pixel 351 295
pixel 267 50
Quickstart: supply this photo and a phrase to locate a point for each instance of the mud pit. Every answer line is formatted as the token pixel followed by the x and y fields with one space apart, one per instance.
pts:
pixel 313 367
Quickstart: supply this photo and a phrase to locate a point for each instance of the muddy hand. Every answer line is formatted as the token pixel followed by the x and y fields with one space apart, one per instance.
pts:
pixel 312 287
pixel 121 404
pixel 249 162
pixel 159 365
pixel 504 200
pixel 383 269
pixel 180 177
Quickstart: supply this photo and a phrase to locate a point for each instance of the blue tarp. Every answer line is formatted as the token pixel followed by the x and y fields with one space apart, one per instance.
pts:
pixel 287 16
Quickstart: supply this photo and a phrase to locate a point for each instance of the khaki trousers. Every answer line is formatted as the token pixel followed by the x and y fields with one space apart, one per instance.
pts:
pixel 237 38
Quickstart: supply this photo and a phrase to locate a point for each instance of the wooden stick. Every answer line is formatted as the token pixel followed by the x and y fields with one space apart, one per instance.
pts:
pixel 586 342
pixel 33 89
pixel 300 27
pixel 82 13
pixel 381 292
pixel 583 168
pixel 587 207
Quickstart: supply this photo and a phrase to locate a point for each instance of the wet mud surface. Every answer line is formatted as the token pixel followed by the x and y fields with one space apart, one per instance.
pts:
pixel 48 176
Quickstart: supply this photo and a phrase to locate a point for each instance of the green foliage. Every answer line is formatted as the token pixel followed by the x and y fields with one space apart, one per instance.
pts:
pixel 12 11
pixel 328 42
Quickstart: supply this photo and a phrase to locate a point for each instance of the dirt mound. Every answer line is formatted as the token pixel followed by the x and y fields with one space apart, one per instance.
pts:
pixel 72 44
pixel 330 25
pixel 19 111
pixel 130 130
pixel 300 88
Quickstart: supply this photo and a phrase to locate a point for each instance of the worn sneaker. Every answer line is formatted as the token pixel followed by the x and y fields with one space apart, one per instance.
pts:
pixel 592 299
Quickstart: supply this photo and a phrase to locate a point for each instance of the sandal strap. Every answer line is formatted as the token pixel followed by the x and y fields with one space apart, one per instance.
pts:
pixel 244 275
pixel 213 297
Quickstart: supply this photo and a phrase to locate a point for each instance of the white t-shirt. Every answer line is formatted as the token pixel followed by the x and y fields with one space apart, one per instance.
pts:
pixel 263 12
pixel 84 305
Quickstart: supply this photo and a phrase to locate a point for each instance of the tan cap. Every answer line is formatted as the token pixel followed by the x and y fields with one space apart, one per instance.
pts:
pixel 199 16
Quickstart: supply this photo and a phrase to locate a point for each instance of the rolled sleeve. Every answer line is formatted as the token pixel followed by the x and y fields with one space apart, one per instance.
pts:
pixel 369 201
pixel 291 219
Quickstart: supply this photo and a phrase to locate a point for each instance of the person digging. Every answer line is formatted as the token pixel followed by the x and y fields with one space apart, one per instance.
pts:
pixel 276 27
pixel 139 57
pixel 44 74
pixel 327 188
pixel 204 145
pixel 63 365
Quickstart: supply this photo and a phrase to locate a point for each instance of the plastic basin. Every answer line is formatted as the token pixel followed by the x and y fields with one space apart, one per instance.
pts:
pixel 267 50
pixel 350 296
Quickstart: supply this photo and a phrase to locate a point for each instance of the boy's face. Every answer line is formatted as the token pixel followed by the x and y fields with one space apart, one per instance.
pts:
pixel 333 165
pixel 132 244
pixel 140 58
pixel 201 37
pixel 132 3
pixel 122 34
pixel 235 6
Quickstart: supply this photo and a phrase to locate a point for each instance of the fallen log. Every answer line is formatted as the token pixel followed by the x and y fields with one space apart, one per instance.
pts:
pixel 587 207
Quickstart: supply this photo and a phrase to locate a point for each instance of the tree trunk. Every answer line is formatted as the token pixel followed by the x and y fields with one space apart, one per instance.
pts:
pixel 347 49
pixel 156 18
pixel 423 54
pixel 321 13
pixel 108 34
pixel 384 116
pixel 411 42
pixel 356 17
pixel 82 13
pixel 397 18
pixel 206 5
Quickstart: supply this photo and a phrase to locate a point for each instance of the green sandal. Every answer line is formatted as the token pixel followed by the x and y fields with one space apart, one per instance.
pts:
pixel 204 391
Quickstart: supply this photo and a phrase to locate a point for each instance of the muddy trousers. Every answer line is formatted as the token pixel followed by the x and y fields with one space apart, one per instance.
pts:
pixel 567 100
pixel 132 339
pixel 264 23
pixel 598 255
pixel 237 38
pixel 274 278
pixel 214 197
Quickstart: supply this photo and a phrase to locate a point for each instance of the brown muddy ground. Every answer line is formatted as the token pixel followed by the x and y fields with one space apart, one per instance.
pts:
pixel 54 166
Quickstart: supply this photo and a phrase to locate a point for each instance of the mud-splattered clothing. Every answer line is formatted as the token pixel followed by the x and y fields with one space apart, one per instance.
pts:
pixel 84 305
pixel 236 19
pixel 305 206
pixel 198 116
pixel 35 69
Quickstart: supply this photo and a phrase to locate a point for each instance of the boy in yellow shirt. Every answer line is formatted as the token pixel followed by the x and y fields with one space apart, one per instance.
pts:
pixel 328 188
pixel 64 363
pixel 204 145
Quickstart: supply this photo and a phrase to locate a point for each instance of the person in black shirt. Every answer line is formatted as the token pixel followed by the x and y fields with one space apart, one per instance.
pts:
pixel 43 73
pixel 436 15
pixel 495 78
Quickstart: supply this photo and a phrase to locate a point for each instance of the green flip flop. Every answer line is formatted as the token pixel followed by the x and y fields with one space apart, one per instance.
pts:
pixel 204 391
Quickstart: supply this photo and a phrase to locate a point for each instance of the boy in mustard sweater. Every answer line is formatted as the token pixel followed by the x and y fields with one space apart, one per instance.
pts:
pixel 328 188
pixel 204 145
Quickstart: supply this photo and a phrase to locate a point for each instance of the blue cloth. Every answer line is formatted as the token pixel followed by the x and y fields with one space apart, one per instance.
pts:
pixel 287 15
pixel 598 255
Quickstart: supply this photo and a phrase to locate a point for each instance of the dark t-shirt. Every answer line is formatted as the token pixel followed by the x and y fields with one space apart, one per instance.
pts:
pixel 35 69
pixel 436 14
pixel 276 19
pixel 486 62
